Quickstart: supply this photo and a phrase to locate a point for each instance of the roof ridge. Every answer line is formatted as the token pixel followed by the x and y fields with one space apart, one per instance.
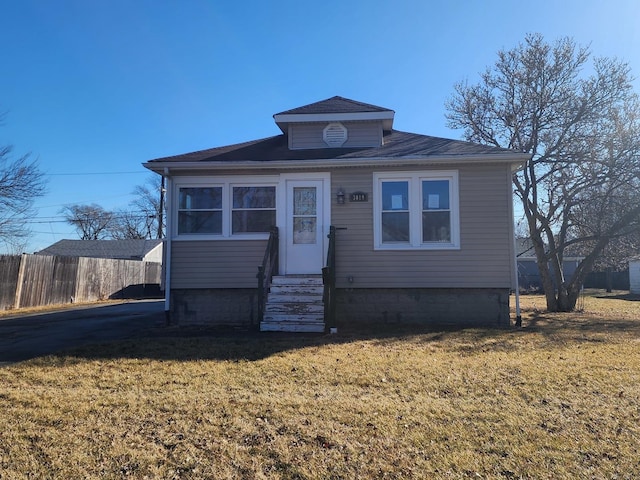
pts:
pixel 321 105
pixel 356 102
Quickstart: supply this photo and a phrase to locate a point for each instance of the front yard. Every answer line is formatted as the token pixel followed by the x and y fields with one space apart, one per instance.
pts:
pixel 559 398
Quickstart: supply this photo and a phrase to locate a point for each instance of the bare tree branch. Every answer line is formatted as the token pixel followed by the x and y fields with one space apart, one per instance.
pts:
pixel 21 182
pixel 92 222
pixel 140 221
pixel 580 192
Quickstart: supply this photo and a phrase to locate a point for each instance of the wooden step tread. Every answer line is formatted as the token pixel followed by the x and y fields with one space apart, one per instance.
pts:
pixel 304 307
pixel 294 299
pixel 315 289
pixel 294 318
pixel 291 327
pixel 286 280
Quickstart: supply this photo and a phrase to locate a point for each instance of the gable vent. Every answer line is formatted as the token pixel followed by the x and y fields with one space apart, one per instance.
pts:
pixel 334 134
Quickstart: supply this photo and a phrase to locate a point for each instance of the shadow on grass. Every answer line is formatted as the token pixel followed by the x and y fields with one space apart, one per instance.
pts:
pixel 191 344
pixel 175 344
pixel 579 328
pixel 629 297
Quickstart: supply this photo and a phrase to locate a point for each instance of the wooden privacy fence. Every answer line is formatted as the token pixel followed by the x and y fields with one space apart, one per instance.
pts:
pixel 37 280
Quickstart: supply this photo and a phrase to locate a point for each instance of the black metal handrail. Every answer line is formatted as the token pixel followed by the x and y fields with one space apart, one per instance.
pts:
pixel 329 281
pixel 267 270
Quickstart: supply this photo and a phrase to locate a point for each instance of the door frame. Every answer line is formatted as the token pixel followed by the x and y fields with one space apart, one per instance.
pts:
pixel 285 178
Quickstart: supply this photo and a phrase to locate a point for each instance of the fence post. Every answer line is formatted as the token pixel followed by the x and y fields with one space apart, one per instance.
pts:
pixel 21 268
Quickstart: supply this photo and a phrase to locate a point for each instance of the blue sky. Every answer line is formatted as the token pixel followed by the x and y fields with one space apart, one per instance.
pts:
pixel 94 88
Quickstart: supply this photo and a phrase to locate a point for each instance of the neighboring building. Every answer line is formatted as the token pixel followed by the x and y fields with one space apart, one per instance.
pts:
pixel 634 275
pixel 528 272
pixel 145 250
pixel 424 224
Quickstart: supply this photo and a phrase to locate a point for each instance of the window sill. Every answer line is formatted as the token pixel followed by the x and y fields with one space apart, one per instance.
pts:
pixel 423 247
pixel 208 237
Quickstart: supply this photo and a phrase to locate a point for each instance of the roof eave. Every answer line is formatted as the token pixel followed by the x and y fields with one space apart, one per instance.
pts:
pixel 516 160
pixel 283 119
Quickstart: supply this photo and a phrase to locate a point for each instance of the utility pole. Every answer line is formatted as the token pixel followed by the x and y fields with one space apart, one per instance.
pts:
pixel 161 208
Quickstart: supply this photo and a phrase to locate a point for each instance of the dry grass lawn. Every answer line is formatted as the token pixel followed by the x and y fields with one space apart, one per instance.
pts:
pixel 559 398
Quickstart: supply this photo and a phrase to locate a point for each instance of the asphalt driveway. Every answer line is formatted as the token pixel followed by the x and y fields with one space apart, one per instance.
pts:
pixel 29 336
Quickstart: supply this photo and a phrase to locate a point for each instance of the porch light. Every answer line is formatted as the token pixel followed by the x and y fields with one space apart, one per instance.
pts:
pixel 340 196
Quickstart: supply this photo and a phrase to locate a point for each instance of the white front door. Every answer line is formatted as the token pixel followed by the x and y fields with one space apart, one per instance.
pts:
pixel 306 226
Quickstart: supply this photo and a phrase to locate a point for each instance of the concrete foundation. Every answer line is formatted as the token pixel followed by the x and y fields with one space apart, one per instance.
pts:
pixel 459 307
pixel 235 307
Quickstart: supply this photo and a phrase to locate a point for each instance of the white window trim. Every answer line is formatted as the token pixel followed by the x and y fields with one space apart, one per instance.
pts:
pixel 178 210
pixel 415 179
pixel 227 183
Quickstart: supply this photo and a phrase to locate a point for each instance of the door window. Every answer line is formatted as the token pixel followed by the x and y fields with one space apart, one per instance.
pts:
pixel 305 221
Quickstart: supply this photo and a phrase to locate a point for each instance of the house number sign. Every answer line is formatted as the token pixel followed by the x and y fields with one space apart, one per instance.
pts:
pixel 359 197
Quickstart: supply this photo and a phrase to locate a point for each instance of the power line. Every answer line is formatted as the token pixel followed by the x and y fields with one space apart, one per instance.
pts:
pixel 61 219
pixel 87 201
pixel 93 173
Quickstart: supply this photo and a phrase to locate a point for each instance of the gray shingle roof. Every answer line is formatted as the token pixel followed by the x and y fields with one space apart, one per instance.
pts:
pixel 120 249
pixel 335 105
pixel 396 144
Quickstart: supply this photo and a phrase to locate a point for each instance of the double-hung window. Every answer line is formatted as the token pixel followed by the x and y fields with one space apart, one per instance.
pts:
pixel 226 208
pixel 200 210
pixel 416 210
pixel 253 209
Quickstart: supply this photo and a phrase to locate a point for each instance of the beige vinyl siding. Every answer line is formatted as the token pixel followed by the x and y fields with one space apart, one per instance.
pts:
pixel 216 264
pixel 359 134
pixel 482 260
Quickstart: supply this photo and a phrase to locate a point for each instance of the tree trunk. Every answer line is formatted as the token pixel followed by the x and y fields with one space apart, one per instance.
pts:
pixel 549 292
pixel 567 299
pixel 543 263
pixel 546 280
pixel 572 299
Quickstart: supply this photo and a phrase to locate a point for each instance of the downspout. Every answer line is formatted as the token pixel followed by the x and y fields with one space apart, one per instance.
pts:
pixel 514 253
pixel 167 255
pixel 517 283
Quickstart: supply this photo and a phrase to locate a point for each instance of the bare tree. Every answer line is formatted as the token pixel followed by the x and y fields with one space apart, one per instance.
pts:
pixel 21 182
pixel 92 222
pixel 144 217
pixel 580 189
pixel 143 220
pixel 150 206
pixel 129 225
pixel 617 253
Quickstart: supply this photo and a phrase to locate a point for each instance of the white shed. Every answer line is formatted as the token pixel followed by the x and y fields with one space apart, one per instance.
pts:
pixel 634 275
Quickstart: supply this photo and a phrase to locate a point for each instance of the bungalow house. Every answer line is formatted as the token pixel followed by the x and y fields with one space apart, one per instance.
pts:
pixel 370 224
